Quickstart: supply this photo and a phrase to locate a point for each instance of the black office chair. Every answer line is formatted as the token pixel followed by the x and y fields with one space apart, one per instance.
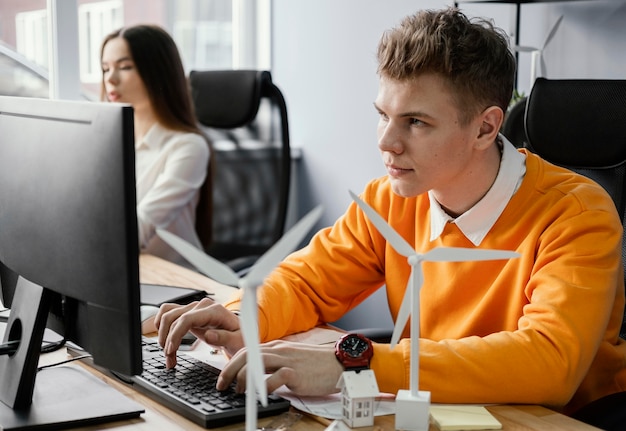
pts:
pixel 513 125
pixel 581 124
pixel 245 115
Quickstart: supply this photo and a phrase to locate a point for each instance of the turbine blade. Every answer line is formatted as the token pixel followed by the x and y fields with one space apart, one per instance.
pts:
pixel 405 307
pixel 250 332
pixel 525 48
pixel 459 254
pixel 285 245
pixel 396 241
pixel 534 59
pixel 555 27
pixel 206 264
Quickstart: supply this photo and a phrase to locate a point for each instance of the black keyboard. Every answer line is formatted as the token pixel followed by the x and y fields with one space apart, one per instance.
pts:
pixel 189 389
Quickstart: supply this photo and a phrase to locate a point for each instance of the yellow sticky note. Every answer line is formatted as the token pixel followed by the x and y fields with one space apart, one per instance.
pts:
pixel 463 417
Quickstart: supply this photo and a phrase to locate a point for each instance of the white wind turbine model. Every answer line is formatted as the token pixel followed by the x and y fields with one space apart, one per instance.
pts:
pixel 220 272
pixel 536 59
pixel 412 407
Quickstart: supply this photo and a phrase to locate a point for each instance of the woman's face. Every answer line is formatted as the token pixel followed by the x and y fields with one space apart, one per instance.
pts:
pixel 120 76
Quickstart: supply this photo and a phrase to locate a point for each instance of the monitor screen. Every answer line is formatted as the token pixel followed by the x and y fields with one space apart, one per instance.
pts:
pixel 68 234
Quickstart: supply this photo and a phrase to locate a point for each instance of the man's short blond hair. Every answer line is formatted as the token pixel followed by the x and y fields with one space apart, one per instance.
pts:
pixel 472 56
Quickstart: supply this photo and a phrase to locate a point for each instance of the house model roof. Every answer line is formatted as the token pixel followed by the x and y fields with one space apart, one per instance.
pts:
pixel 359 385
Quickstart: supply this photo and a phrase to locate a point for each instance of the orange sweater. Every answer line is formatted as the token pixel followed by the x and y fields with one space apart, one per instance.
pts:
pixel 539 329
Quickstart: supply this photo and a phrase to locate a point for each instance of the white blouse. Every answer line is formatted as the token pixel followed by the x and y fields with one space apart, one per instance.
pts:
pixel 170 169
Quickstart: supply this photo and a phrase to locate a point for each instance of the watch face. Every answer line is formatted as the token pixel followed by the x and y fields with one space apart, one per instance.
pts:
pixel 354 346
pixel 354 352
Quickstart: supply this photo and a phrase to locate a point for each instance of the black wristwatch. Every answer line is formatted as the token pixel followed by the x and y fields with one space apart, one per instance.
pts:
pixel 354 352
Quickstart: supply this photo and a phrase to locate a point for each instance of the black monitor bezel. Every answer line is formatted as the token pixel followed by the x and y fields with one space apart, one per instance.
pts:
pixel 95 164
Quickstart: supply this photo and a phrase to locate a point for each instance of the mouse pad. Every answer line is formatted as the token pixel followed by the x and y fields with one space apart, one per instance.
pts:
pixel 157 294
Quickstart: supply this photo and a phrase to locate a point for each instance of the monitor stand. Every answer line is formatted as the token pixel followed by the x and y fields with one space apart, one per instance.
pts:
pixel 53 398
pixel 66 397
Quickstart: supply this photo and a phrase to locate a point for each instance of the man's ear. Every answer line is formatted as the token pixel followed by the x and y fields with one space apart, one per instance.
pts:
pixel 491 121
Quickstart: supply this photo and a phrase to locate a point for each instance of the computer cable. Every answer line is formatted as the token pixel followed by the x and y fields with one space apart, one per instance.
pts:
pixel 72 359
pixel 9 348
pixel 53 346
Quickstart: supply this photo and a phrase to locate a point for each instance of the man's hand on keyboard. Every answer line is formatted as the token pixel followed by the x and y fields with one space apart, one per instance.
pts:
pixel 306 369
pixel 208 321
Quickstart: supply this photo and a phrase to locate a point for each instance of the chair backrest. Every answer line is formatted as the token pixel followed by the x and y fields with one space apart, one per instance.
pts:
pixel 580 124
pixel 245 115
pixel 513 125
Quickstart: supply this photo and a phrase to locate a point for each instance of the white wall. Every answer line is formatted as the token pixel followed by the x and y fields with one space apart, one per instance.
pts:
pixel 589 43
pixel 323 59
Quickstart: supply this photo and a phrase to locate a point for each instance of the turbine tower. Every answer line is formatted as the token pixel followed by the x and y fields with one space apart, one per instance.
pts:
pixel 412 407
pixel 222 273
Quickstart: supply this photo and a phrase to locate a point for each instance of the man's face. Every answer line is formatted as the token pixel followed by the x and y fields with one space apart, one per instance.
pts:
pixel 422 143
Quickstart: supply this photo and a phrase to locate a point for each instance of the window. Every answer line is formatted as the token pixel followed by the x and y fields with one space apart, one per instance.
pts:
pixel 205 45
pixel 210 34
pixel 95 21
pixel 31 35
pixel 203 31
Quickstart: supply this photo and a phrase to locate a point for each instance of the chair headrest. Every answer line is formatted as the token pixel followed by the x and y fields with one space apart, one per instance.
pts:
pixel 227 98
pixel 579 123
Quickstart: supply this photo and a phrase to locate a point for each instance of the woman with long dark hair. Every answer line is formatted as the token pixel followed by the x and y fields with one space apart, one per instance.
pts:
pixel 141 66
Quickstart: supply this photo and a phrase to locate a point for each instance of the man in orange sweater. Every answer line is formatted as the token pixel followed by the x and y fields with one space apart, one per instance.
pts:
pixel 540 329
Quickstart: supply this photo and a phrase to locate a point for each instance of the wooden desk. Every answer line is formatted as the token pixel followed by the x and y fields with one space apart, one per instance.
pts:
pixel 153 270
pixel 157 417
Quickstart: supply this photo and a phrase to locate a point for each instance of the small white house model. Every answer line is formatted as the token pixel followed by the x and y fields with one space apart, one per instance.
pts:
pixel 358 392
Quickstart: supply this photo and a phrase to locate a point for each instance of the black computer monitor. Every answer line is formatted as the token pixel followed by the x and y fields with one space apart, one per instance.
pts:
pixel 68 240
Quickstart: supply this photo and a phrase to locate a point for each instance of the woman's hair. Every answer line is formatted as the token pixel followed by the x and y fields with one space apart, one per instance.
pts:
pixel 157 60
pixel 160 67
pixel 472 56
